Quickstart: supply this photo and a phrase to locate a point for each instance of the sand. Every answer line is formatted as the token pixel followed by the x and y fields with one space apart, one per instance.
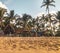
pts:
pixel 29 45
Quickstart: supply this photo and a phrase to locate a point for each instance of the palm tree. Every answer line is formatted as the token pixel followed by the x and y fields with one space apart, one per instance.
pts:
pixel 2 12
pixel 33 25
pixel 48 3
pixel 19 26
pixel 58 17
pixel 26 18
pixel 9 17
pixel 37 24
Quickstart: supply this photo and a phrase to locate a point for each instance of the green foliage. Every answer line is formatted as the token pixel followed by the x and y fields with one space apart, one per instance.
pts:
pixel 12 13
pixel 48 3
pixel 58 33
pixel 48 33
pixel 58 15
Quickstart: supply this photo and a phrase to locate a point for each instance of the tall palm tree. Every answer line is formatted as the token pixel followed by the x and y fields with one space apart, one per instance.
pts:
pixel 48 3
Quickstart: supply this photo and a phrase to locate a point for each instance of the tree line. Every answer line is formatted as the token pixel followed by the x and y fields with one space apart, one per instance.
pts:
pixel 12 24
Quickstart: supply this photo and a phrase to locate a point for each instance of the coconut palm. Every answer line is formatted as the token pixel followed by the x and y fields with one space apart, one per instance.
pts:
pixel 48 3
pixel 19 26
pixel 33 24
pixel 58 17
pixel 2 12
pixel 37 24
pixel 9 17
pixel 26 18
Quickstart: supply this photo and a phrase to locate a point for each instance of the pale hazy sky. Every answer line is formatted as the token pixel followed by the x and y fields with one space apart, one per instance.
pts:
pixel 31 7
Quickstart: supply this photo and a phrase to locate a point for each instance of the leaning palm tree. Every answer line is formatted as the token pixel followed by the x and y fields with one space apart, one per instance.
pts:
pixel 2 12
pixel 7 23
pixel 48 3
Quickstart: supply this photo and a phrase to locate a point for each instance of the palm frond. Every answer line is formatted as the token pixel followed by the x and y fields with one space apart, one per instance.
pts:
pixel 43 5
pixel 52 1
pixel 44 1
pixel 52 5
pixel 47 1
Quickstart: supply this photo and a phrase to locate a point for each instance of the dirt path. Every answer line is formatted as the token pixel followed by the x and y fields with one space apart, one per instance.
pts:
pixel 29 45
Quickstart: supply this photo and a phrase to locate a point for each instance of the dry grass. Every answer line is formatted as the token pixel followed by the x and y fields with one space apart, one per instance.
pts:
pixel 29 45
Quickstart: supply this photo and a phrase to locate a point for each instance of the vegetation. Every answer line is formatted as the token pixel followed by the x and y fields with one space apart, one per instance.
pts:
pixel 27 26
pixel 48 3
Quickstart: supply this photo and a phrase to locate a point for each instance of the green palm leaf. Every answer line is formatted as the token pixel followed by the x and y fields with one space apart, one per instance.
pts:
pixel 43 5
pixel 52 5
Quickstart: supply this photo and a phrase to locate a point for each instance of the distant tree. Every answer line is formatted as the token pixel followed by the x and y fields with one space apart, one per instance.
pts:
pixel 43 20
pixel 26 18
pixel 33 22
pixel 2 12
pixel 58 17
pixel 48 3
pixel 12 13
pixel 9 17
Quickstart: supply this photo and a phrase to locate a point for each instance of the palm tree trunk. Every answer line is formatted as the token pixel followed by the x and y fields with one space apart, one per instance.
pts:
pixel 48 10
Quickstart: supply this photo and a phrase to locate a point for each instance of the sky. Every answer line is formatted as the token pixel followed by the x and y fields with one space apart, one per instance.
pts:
pixel 31 7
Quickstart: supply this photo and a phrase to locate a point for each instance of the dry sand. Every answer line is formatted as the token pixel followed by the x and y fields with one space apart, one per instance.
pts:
pixel 29 45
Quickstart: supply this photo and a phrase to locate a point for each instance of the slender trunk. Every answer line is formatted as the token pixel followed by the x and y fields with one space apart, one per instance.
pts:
pixel 48 10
